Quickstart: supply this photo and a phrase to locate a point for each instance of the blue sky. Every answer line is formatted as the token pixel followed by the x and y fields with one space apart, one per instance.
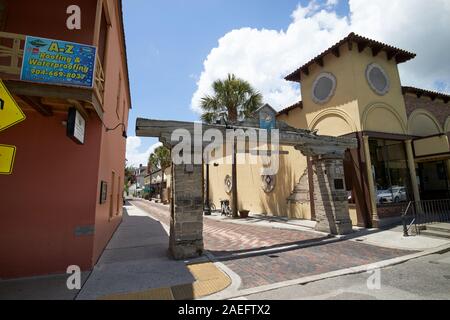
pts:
pixel 168 41
pixel 174 51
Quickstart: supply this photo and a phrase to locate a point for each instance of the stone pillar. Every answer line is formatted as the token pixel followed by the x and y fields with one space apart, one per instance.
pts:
pixel 186 223
pixel 412 170
pixel 330 195
pixel 371 183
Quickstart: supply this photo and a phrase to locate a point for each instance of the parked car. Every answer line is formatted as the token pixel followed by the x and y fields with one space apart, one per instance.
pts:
pixel 393 194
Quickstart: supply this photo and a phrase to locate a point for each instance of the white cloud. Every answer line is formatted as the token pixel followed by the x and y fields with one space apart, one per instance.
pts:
pixel 134 156
pixel 264 57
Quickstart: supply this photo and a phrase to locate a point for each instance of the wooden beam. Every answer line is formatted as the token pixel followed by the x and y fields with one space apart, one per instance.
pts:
pixel 391 54
pixel 54 102
pixel 36 104
pixel 376 50
pixel 305 70
pixel 362 46
pixel 398 58
pixel 336 52
pixel 79 108
pixel 320 61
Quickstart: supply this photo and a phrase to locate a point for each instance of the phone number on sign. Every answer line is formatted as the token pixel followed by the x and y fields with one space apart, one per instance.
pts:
pixel 59 74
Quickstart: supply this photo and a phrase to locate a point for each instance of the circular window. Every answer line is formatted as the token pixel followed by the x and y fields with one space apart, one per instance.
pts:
pixel 323 88
pixel 377 79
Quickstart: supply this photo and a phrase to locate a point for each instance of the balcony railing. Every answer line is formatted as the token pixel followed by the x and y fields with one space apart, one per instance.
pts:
pixel 11 53
pixel 99 85
pixel 11 59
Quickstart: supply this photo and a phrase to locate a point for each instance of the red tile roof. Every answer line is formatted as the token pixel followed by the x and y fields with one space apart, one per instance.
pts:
pixel 427 93
pixel 361 42
pixel 288 109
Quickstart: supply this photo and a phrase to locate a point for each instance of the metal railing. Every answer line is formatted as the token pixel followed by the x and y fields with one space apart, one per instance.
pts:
pixel 11 59
pixel 421 213
pixel 99 85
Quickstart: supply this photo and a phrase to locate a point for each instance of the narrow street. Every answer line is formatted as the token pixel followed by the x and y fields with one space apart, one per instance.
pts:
pixel 224 239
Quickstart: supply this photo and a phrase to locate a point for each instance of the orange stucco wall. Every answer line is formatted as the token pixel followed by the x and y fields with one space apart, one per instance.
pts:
pixel 51 191
pixel 55 186
pixel 112 155
pixel 47 18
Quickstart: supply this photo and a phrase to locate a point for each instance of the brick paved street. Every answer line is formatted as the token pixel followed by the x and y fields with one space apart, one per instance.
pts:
pixel 223 238
pixel 267 269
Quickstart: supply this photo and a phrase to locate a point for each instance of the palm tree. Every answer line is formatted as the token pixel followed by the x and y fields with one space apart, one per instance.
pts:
pixel 233 97
pixel 160 159
pixel 236 99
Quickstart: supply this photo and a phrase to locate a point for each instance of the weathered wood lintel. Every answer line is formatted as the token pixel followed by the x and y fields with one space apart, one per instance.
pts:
pixel 302 139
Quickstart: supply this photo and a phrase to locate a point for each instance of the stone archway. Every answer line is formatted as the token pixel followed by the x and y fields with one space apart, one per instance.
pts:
pixel 186 223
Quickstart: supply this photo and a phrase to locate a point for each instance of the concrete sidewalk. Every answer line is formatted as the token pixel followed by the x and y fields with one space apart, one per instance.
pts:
pixel 136 265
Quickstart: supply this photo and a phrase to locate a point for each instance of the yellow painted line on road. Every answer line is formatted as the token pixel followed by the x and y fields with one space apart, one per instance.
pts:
pixel 208 280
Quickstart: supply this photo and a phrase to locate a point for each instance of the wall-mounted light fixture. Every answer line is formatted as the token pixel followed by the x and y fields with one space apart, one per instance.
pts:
pixel 124 132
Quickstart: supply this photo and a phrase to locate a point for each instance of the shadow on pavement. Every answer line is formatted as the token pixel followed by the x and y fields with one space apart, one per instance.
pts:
pixel 135 260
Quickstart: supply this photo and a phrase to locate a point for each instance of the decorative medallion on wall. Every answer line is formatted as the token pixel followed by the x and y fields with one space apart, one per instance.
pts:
pixel 268 183
pixel 323 88
pixel 378 79
pixel 228 184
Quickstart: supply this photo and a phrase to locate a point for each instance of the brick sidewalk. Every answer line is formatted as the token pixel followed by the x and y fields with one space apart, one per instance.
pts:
pixel 223 239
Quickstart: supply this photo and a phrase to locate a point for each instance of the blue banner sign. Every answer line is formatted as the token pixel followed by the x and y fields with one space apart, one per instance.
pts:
pixel 58 62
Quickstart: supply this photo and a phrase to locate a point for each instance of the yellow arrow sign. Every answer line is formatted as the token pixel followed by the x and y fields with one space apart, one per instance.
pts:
pixel 10 112
pixel 7 154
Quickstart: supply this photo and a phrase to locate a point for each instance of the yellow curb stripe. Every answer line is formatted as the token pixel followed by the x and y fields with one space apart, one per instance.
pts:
pixel 209 280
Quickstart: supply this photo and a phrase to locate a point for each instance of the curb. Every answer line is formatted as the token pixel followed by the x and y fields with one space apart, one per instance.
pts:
pixel 333 274
pixel 209 280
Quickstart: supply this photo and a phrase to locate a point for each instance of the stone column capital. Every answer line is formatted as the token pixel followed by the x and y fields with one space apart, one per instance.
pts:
pixel 321 151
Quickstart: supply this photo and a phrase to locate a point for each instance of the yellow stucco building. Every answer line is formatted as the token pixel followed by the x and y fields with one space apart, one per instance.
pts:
pixel 353 89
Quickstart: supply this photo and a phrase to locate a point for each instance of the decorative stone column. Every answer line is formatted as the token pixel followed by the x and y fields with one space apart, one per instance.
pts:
pixel 330 194
pixel 186 223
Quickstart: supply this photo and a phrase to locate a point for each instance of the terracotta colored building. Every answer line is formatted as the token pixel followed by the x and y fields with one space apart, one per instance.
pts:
pixel 63 201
